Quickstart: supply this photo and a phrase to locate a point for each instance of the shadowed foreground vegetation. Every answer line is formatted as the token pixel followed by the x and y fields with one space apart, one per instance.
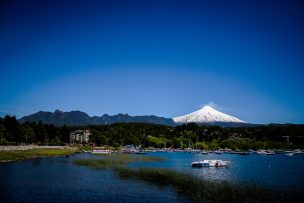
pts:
pixel 6 156
pixel 197 189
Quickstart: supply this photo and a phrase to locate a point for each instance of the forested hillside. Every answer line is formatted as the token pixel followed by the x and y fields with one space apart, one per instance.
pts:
pixel 119 134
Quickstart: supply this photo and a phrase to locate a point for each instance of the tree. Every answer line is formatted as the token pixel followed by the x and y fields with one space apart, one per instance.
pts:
pixel 29 134
pixel 2 134
pixel 64 134
pixel 41 135
pixel 99 138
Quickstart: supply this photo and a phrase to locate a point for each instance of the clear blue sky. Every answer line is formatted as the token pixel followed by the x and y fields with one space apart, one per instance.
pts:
pixel 165 58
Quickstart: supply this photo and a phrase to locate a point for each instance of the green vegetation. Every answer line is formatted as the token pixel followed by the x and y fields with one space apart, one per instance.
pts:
pixel 157 141
pixel 86 148
pixel 151 135
pixel 34 153
pixel 203 190
pixel 114 161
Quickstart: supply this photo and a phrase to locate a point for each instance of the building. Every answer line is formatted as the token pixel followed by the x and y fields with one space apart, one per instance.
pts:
pixel 80 136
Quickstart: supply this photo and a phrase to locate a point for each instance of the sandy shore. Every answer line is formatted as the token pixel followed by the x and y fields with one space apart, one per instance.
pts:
pixel 27 147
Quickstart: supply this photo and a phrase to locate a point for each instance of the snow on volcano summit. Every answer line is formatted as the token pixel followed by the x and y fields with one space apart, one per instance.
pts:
pixel 206 115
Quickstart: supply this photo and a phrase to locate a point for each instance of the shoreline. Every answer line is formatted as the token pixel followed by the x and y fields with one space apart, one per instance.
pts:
pixel 28 147
pixel 20 153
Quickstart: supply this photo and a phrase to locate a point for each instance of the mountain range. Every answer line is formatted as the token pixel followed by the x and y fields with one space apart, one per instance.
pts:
pixel 206 115
pixel 78 118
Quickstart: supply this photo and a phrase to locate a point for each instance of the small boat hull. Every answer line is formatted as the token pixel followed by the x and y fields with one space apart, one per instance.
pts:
pixel 209 163
pixel 101 151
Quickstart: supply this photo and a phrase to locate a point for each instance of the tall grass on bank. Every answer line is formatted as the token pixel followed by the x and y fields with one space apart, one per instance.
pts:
pixel 6 156
pixel 114 161
pixel 204 190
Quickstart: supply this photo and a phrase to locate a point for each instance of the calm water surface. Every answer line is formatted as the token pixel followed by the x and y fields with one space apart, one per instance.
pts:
pixel 58 179
pixel 275 171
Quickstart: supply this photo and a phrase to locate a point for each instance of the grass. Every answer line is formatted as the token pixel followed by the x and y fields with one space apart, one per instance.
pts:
pixel 87 148
pixel 198 189
pixel 6 156
pixel 114 161
pixel 203 190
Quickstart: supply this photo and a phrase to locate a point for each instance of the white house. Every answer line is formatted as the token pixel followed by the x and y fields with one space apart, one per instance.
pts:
pixel 80 136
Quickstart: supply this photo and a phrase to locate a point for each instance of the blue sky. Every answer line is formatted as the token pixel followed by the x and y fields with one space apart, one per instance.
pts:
pixel 165 58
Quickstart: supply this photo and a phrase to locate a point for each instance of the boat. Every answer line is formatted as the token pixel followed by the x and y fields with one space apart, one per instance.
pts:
pixel 130 149
pixel 101 151
pixel 204 152
pixel 218 152
pixel 195 151
pixel 265 152
pixel 209 163
pixel 298 151
pixel 242 152
pixel 140 152
pixel 232 152
pixel 290 154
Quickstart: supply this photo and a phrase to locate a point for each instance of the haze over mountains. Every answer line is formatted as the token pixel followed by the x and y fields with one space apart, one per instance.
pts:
pixel 206 115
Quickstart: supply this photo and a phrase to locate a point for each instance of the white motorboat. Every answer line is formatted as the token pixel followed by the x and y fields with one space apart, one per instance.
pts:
pixel 218 152
pixel 204 152
pixel 209 163
pixel 265 152
pixel 298 151
pixel 290 154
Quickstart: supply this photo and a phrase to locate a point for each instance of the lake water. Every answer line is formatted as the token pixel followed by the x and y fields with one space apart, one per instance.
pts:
pixel 58 179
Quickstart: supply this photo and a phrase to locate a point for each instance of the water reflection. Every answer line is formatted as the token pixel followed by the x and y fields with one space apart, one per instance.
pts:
pixel 59 179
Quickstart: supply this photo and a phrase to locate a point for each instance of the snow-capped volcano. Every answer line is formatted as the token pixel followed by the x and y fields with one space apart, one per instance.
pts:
pixel 207 115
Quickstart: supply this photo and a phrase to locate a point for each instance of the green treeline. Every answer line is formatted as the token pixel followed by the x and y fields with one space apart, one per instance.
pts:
pixel 159 136
pixel 14 133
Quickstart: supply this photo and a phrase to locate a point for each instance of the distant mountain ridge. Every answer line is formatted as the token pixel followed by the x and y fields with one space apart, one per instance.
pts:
pixel 78 118
pixel 205 116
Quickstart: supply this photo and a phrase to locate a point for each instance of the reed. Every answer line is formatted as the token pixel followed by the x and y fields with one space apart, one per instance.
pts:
pixel 202 190
pixel 114 161
pixel 6 156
